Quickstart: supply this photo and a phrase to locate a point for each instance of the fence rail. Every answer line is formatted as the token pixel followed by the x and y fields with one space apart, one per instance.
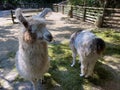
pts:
pixel 27 13
pixel 108 17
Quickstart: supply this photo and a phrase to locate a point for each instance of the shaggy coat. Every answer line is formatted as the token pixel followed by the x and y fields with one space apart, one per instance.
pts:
pixel 89 48
pixel 32 56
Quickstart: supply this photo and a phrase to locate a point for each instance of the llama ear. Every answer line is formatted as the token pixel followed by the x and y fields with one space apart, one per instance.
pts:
pixel 21 18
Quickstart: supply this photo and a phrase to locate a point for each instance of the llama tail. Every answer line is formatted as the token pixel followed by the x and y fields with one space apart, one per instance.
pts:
pixel 100 45
pixel 44 12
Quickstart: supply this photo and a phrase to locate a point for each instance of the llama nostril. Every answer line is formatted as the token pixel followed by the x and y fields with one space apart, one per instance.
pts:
pixel 50 36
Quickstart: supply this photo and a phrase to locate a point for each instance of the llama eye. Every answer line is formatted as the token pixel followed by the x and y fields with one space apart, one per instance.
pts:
pixel 34 28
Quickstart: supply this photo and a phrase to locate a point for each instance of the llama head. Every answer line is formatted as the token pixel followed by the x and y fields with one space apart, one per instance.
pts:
pixel 34 28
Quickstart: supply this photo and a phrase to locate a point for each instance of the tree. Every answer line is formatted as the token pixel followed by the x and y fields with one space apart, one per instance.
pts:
pixel 97 3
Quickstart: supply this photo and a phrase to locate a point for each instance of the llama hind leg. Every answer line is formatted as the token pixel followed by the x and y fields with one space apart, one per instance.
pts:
pixel 35 84
pixel 74 54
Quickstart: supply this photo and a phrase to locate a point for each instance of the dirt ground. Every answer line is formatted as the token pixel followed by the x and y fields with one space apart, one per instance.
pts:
pixel 59 25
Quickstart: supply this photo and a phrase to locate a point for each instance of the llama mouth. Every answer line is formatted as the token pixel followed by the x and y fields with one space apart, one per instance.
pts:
pixel 49 40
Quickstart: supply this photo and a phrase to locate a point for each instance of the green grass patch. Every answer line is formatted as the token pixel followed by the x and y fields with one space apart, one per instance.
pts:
pixel 112 39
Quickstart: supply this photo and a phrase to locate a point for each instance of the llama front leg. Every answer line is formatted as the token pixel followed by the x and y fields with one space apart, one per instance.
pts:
pixel 35 84
pixel 90 69
pixel 83 67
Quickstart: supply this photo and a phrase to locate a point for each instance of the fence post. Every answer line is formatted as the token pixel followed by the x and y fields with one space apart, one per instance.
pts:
pixel 84 14
pixel 98 22
pixel 103 15
pixel 62 9
pixel 57 7
pixel 12 16
pixel 70 13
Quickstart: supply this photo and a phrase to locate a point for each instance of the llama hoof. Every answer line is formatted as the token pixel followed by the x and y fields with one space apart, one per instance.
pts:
pixel 72 65
pixel 81 75
pixel 86 76
pixel 43 81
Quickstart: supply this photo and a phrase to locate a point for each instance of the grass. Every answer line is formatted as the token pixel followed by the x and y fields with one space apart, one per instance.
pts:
pixel 68 78
pixel 112 39
pixel 60 67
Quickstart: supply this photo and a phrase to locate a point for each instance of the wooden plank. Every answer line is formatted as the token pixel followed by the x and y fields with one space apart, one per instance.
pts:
pixel 113 15
pixel 26 13
pixel 78 14
pixel 112 18
pixel 93 14
pixel 111 25
pixel 113 9
pixel 93 17
pixel 114 23
pixel 94 11
pixel 95 8
pixel 29 10
pixel 90 19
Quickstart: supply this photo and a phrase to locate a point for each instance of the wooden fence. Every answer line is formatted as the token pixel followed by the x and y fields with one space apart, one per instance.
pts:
pixel 112 18
pixel 107 17
pixel 26 13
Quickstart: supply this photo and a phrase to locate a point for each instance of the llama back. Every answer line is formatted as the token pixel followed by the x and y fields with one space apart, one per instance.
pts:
pixel 84 39
pixel 87 42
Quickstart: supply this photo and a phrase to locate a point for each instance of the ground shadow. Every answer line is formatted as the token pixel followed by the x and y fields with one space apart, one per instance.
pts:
pixel 8 47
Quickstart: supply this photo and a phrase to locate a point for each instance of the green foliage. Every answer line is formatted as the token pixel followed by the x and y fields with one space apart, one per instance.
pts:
pixel 113 3
pixel 96 3
pixel 76 2
pixel 87 2
pixel 30 1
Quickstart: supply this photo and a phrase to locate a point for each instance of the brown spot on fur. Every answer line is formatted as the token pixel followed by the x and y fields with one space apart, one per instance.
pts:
pixel 29 37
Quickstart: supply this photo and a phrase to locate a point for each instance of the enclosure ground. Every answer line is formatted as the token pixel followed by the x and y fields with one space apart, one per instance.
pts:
pixel 61 28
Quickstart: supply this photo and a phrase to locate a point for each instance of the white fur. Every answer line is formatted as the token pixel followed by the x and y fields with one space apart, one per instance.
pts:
pixel 32 56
